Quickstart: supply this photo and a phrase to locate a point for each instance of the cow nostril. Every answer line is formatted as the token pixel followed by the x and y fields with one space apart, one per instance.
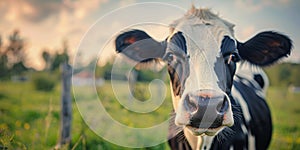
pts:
pixel 209 108
pixel 223 106
pixel 191 104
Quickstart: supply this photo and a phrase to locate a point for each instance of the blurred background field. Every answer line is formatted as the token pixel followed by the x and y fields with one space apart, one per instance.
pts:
pixel 30 115
pixel 37 37
pixel 30 119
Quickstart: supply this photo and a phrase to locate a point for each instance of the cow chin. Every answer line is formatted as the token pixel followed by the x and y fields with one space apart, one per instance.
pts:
pixel 202 132
pixel 209 131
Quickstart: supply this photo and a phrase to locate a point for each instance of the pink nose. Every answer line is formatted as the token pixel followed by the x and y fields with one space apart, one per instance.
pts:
pixel 207 108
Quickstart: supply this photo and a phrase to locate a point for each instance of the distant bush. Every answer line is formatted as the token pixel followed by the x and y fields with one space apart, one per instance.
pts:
pixel 141 92
pixel 43 82
pixel 284 74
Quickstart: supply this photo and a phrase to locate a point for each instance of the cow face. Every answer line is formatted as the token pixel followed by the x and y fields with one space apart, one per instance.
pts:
pixel 201 53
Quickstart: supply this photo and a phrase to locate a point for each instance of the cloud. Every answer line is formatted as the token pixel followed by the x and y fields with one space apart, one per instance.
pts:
pixel 82 8
pixel 46 23
pixel 257 5
pixel 37 10
pixel 125 3
pixel 65 17
pixel 246 32
pixel 284 1
pixel 16 10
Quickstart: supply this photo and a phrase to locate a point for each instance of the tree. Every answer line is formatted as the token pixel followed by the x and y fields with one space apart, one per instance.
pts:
pixel 60 58
pixel 15 48
pixel 295 77
pixel 16 53
pixel 3 61
pixel 47 59
pixel 285 74
pixel 0 43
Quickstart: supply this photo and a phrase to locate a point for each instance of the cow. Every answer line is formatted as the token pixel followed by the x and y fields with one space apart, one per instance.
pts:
pixel 218 85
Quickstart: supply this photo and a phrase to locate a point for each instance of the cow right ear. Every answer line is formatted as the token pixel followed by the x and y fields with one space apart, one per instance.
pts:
pixel 265 48
pixel 139 46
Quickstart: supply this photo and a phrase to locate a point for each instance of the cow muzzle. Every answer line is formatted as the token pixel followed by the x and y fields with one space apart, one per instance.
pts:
pixel 206 108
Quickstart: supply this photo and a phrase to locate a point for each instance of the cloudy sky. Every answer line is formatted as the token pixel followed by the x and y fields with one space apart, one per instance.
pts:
pixel 46 23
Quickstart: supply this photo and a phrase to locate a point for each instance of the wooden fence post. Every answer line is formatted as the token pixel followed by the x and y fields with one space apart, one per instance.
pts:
pixel 132 78
pixel 66 107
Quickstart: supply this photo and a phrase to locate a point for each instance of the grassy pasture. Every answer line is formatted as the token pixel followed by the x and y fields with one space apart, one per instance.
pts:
pixel 29 119
pixel 285 109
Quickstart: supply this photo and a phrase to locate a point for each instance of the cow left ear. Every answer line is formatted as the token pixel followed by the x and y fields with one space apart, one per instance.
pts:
pixel 265 48
pixel 139 46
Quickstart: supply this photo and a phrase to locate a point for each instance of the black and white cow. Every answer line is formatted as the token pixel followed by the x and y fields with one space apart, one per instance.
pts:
pixel 218 87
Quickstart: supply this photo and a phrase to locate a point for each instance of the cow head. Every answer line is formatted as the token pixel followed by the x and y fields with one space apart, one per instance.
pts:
pixel 201 53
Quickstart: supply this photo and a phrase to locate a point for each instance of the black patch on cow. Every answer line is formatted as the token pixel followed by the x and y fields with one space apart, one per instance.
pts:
pixel 228 46
pixel 219 70
pixel 176 137
pixel 229 72
pixel 175 80
pixel 179 40
pixel 177 143
pixel 178 73
pixel 229 51
pixel 260 124
pixel 234 135
pixel 259 79
pixel 178 68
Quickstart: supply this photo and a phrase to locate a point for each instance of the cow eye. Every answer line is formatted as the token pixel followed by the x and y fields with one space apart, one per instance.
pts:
pixel 170 57
pixel 233 57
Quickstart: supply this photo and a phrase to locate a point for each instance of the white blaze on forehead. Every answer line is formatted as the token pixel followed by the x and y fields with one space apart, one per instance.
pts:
pixel 203 46
pixel 203 51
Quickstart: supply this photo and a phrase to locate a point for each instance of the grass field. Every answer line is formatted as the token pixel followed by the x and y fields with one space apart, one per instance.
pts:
pixel 29 119
pixel 285 111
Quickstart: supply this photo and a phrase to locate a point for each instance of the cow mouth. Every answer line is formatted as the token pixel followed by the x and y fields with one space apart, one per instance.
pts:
pixel 203 131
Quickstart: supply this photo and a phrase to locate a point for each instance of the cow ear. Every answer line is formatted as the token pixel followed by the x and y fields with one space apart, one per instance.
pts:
pixel 265 48
pixel 139 46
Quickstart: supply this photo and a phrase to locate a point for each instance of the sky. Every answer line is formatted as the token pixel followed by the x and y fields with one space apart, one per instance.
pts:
pixel 45 24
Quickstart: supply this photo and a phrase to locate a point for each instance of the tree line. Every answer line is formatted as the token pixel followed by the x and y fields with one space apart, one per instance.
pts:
pixel 284 74
pixel 14 55
pixel 13 58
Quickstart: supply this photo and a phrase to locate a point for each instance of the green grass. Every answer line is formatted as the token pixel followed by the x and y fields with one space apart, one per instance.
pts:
pixel 29 119
pixel 131 118
pixel 24 115
pixel 285 111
